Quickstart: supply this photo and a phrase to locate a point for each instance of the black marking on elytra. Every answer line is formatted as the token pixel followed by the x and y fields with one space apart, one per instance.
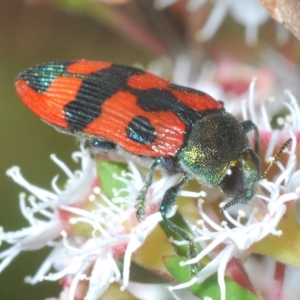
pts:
pixel 94 90
pixel 164 100
pixel 99 86
pixel 140 130
pixel 40 77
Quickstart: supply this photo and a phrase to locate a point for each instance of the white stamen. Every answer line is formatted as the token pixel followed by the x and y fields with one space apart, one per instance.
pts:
pixel 214 21
pixel 251 101
pixel 62 165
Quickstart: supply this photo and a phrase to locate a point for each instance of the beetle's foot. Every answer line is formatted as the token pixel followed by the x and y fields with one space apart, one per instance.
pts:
pixel 194 269
pixel 140 212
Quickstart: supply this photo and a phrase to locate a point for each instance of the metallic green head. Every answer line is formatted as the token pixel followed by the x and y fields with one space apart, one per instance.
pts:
pixel 218 153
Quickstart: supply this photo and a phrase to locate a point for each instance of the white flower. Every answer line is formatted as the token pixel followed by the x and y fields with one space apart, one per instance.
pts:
pixel 51 216
pixel 268 207
pixel 45 229
pixel 256 16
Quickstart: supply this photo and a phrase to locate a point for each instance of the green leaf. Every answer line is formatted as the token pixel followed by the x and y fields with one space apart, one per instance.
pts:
pixel 114 292
pixel 208 288
pixel 150 255
pixel 142 275
pixel 106 171
pixel 284 248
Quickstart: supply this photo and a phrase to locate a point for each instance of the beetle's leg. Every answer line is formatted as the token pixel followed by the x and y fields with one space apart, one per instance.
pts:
pixel 140 206
pixel 103 145
pixel 249 125
pixel 166 204
pixel 166 163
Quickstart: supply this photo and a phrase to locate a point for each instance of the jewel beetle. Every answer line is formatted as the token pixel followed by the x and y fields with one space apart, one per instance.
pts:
pixel 174 128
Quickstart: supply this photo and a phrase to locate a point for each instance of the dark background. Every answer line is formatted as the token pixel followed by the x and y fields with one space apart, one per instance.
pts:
pixel 31 34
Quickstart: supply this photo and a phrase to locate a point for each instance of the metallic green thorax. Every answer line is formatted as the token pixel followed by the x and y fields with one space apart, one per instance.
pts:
pixel 216 143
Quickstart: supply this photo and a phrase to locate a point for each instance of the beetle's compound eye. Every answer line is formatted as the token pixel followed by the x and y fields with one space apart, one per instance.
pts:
pixel 233 182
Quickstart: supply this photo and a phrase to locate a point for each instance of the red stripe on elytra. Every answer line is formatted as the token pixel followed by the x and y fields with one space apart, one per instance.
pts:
pixel 50 105
pixel 192 100
pixel 147 81
pixel 83 66
pixel 195 101
pixel 114 118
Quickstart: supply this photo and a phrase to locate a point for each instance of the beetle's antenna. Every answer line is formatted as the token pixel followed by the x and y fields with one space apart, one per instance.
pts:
pixel 230 203
pixel 276 158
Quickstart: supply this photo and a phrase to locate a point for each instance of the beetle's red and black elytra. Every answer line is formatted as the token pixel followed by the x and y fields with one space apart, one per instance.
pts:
pixel 121 108
pixel 159 125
